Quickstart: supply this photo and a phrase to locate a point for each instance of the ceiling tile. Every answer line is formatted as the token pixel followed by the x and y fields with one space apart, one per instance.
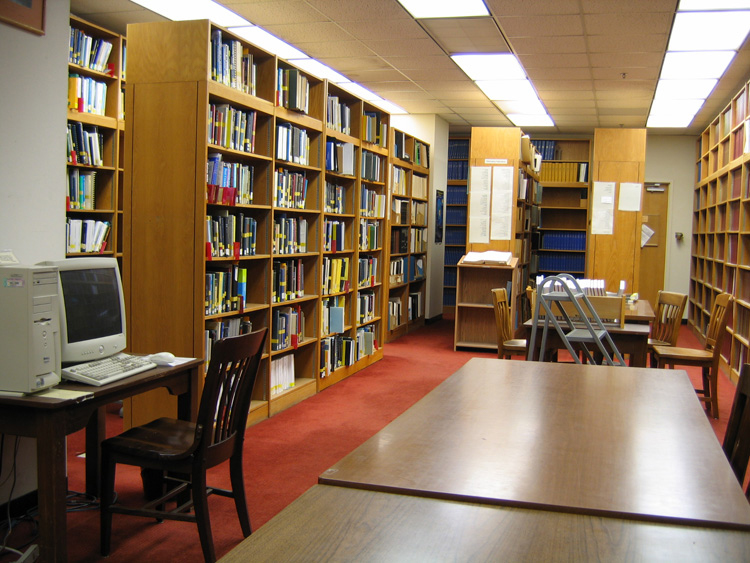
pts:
pixel 623 23
pixel 541 45
pixel 411 62
pixel 386 29
pixel 446 74
pixel 541 26
pixel 631 73
pixel 394 48
pixel 393 87
pixel 554 60
pixel 547 85
pixel 300 33
pixel 379 75
pixel 331 49
pixel 613 60
pixel 608 6
pixel 345 64
pixel 572 111
pixel 643 43
pixel 361 10
pixel 274 13
pixel 621 121
pixel 578 73
pixel 532 7
pixel 565 95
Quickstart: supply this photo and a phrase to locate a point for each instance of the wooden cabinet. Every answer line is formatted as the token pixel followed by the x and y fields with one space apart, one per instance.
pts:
pixel 721 228
pixel 245 208
pixel 94 137
pixel 475 316
pixel 560 241
pixel 409 177
pixel 456 202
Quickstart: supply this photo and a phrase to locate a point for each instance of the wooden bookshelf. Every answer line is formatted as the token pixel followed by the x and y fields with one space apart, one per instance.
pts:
pixel 456 202
pixel 304 215
pixel 95 128
pixel 560 239
pixel 409 176
pixel 721 229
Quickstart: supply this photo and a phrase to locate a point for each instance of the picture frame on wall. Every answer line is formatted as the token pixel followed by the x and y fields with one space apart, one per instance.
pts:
pixel 24 14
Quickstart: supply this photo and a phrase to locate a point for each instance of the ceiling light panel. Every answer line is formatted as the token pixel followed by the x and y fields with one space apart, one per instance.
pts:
pixel 709 31
pixel 423 9
pixel 490 66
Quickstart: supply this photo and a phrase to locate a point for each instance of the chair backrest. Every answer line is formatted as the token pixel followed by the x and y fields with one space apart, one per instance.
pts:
pixel 669 309
pixel 610 309
pixel 227 393
pixel 502 316
pixel 736 444
pixel 717 324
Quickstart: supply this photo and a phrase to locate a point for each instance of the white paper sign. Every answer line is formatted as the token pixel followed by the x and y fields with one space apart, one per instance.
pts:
pixel 630 196
pixel 502 203
pixel 602 208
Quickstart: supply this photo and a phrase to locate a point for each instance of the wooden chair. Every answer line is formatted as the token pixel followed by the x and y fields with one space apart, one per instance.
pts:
pixel 506 344
pixel 736 444
pixel 707 358
pixel 181 448
pixel 666 325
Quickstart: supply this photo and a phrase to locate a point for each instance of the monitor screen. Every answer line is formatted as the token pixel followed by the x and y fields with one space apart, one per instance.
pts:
pixel 92 308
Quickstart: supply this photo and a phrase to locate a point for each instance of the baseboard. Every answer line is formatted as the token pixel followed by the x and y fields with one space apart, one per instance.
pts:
pixel 21 505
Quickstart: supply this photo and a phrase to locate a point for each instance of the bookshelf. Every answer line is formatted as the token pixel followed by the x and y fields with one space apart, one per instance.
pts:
pixel 559 244
pixel 721 228
pixel 456 201
pixel 272 219
pixel 94 141
pixel 409 176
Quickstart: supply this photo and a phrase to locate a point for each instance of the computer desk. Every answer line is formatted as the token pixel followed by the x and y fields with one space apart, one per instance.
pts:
pixel 51 420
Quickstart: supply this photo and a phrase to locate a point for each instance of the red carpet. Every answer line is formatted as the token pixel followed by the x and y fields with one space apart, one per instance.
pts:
pixel 286 453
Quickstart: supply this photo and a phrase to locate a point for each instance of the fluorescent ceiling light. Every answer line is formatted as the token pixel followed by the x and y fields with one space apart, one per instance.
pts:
pixel 359 91
pixel 194 10
pixel 703 5
pixel 709 31
pixel 528 107
pixel 389 107
pixel 675 107
pixel 684 89
pixel 669 120
pixel 704 64
pixel 271 43
pixel 318 69
pixel 423 9
pixel 522 120
pixel 495 66
pixel 497 90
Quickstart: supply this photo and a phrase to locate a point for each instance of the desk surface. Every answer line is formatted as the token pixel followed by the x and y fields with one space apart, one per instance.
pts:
pixel 586 439
pixel 642 311
pixel 342 524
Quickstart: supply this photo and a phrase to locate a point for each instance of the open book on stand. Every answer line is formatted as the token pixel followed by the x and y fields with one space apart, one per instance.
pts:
pixel 488 257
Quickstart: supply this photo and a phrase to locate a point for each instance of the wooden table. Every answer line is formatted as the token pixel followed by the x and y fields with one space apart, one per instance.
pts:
pixel 342 524
pixel 640 312
pixel 606 441
pixel 631 339
pixel 51 420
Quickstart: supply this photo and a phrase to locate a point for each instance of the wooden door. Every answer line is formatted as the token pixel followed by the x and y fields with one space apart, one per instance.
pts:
pixel 653 253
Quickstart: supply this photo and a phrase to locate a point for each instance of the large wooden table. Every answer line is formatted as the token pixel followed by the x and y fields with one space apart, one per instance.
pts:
pixel 51 420
pixel 605 441
pixel 343 524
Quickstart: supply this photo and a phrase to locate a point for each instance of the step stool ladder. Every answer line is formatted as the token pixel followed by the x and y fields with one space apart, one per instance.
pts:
pixel 588 330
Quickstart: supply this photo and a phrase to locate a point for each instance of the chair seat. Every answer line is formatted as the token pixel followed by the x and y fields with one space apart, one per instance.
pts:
pixel 655 342
pixel 162 439
pixel 515 345
pixel 685 356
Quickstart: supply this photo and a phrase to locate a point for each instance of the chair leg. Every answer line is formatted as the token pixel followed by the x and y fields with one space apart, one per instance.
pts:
pixel 238 491
pixel 107 492
pixel 710 386
pixel 200 506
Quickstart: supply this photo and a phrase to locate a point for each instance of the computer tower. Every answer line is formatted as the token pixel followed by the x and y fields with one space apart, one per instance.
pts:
pixel 29 328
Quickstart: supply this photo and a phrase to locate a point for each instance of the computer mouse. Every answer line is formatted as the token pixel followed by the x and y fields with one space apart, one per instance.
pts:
pixel 162 358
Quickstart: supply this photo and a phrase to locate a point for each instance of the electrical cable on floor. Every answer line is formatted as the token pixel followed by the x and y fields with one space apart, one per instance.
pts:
pixel 4 548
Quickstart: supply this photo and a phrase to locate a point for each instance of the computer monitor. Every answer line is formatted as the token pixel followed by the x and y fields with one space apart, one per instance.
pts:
pixel 92 308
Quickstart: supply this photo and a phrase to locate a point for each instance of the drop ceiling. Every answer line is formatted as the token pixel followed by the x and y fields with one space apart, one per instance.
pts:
pixel 594 63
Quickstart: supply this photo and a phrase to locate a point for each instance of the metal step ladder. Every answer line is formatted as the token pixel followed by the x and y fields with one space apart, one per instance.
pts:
pixel 584 335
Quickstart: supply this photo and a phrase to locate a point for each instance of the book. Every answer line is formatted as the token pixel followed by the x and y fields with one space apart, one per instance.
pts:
pixel 488 257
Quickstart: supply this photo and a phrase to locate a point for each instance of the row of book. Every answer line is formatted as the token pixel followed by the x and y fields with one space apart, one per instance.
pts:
pixel 372 165
pixel 81 189
pixel 232 64
pixel 452 256
pixel 367 275
pixel 455 236
pixel 419 186
pixel 414 306
pixel 455 216
pixel 560 262
pixel 86 95
pixel 564 172
pixel 334 200
pixel 335 275
pixel 85 144
pixel 89 52
pixel 563 240
pixel 397 270
pixel 449 296
pixel 334 236
pixel 370 235
pixel 374 128
pixel 232 128
pixel 282 374
pixel 458 170
pixel 457 195
pixel 292 90
pixel 338 115
pixel 399 240
pixel 287 280
pixel 336 352
pixel 421 154
pixel 399 211
pixel 289 234
pixel 416 268
pixel 86 235
pixel 226 290
pixel 399 146
pixel 418 239
pixel 458 148
pixel 340 157
pixel 548 149
pixel 292 144
pixel 394 313
pixel 418 212
pixel 450 277
pixel 367 309
pixel 224 328
pixel 229 235
pixel 372 203
pixel 399 181
pixel 290 189
pixel 229 183
pixel 287 327
pixel 332 315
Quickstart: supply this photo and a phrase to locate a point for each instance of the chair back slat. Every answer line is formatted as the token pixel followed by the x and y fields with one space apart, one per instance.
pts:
pixel 502 316
pixel 736 444
pixel 718 323
pixel 668 317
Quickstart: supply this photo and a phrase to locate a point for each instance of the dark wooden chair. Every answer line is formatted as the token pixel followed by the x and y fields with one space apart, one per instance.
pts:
pixel 666 325
pixel 736 444
pixel 506 344
pixel 706 358
pixel 176 448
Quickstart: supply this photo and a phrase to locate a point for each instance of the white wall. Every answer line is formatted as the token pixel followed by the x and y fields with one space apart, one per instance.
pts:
pixel 433 130
pixel 33 90
pixel 671 159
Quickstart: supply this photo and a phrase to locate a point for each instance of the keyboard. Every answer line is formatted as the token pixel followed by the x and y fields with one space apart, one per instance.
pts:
pixel 107 370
